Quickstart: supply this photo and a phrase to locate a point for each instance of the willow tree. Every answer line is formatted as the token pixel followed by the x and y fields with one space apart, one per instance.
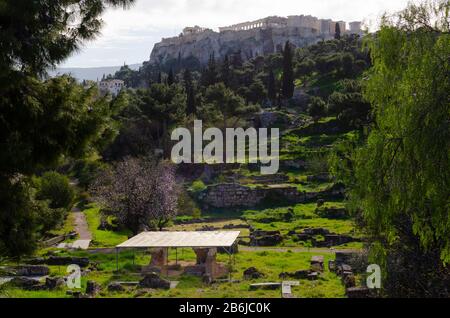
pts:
pixel 402 174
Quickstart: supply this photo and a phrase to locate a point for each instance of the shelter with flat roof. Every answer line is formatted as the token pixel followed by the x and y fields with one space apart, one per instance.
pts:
pixel 205 245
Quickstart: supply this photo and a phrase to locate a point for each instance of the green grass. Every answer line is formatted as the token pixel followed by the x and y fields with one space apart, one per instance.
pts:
pixel 103 238
pixel 271 263
pixel 67 227
pixel 19 293
pixel 304 217
pixel 334 226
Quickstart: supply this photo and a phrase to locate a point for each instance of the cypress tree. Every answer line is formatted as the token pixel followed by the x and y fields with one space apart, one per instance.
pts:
pixel 190 93
pixel 225 71
pixel 212 70
pixel 159 79
pixel 271 87
pixel 337 34
pixel 288 72
pixel 170 77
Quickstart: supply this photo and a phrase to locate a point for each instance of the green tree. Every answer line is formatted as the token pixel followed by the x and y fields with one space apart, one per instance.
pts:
pixel 190 93
pixel 126 74
pixel 288 72
pixel 347 61
pixel 306 67
pixel 225 73
pixel 402 174
pixel 337 33
pixel 170 77
pixel 165 106
pixel 317 108
pixel 256 92
pixel 56 188
pixel 349 105
pixel 159 78
pixel 42 121
pixel 18 224
pixel 210 74
pixel 222 104
pixel 271 87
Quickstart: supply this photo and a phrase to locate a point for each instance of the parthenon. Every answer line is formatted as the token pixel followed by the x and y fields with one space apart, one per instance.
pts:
pixel 261 23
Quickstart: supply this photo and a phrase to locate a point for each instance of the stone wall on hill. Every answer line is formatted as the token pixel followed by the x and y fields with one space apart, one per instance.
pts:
pixel 230 195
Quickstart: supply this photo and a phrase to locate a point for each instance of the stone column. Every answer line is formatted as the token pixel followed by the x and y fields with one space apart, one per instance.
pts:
pixel 159 257
pixel 202 254
pixel 211 267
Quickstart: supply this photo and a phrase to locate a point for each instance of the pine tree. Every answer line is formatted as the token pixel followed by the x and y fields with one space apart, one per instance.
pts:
pixel 288 72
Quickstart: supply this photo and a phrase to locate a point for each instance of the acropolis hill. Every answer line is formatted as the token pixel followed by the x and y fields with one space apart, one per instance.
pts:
pixel 252 38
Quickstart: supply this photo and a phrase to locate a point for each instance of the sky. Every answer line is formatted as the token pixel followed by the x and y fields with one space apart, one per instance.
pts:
pixel 128 36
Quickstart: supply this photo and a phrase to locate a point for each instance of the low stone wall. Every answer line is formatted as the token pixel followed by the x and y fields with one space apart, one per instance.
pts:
pixel 230 195
pixel 328 239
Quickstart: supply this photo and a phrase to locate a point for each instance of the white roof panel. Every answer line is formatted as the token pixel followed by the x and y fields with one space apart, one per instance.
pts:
pixel 182 239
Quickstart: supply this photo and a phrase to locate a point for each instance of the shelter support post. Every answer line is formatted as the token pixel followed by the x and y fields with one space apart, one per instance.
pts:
pixel 117 259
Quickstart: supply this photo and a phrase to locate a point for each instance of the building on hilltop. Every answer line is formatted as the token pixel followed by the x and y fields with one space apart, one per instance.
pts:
pixel 304 21
pixel 318 26
pixel 269 22
pixel 193 30
pixel 111 86
pixel 259 37
pixel 355 27
pixel 342 26
pixel 326 26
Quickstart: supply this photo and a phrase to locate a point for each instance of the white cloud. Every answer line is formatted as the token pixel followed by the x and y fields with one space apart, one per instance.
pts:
pixel 129 36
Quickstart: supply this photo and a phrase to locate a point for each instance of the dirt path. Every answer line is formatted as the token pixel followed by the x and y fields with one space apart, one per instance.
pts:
pixel 81 225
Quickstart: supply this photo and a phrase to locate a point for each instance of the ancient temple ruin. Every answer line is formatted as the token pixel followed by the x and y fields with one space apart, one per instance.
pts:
pixel 316 25
pixel 259 37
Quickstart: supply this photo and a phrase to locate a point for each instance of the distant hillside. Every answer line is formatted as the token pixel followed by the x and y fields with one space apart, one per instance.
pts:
pixel 90 73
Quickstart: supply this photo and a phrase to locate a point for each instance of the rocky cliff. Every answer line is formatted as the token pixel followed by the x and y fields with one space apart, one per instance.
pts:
pixel 250 43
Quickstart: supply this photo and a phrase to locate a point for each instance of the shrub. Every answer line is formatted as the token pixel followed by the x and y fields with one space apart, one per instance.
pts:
pixel 198 186
pixel 187 206
pixel 55 188
pixel 317 108
pixel 86 171
pixel 47 218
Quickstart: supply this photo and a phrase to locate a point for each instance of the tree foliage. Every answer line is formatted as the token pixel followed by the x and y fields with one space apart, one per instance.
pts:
pixel 402 174
pixel 317 108
pixel 221 104
pixel 56 188
pixel 348 104
pixel 42 121
pixel 288 72
pixel 36 35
